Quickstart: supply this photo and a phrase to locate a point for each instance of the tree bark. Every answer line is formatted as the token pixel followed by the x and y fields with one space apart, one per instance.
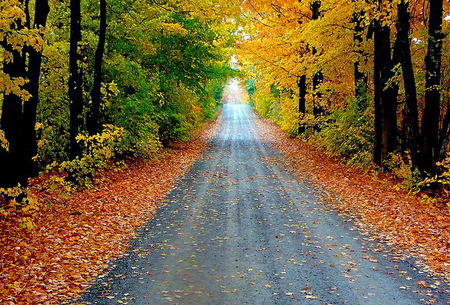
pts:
pixel 93 122
pixel 402 53
pixel 385 96
pixel 75 78
pixel 301 83
pixel 30 107
pixel 317 78
pixel 360 77
pixel 431 114
pixel 12 167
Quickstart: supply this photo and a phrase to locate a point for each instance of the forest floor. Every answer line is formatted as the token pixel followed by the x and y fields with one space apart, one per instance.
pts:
pixel 75 234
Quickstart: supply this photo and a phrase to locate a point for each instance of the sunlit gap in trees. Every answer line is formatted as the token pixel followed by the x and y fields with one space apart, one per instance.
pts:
pixel 234 93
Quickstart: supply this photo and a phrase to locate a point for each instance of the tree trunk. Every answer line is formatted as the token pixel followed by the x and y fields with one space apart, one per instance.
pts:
pixel 12 167
pixel 385 96
pixel 75 78
pixel 29 109
pixel 402 53
pixel 444 136
pixel 317 78
pixel 360 77
pixel 93 123
pixel 431 114
pixel 301 83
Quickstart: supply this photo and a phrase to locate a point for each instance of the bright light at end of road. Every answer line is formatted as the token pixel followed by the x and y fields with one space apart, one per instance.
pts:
pixel 234 93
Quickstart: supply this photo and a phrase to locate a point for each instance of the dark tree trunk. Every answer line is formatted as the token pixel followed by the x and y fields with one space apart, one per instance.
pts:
pixel 12 167
pixel 29 109
pixel 316 82
pixel 93 123
pixel 402 54
pixel 444 136
pixel 360 77
pixel 75 78
pixel 431 114
pixel 317 78
pixel 385 96
pixel 301 83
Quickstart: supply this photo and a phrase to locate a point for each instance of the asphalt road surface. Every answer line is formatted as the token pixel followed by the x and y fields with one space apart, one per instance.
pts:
pixel 239 229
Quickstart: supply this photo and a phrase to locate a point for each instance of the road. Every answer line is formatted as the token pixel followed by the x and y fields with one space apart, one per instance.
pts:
pixel 240 229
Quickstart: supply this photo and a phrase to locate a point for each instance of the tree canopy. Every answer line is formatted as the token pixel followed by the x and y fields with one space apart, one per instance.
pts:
pixel 365 79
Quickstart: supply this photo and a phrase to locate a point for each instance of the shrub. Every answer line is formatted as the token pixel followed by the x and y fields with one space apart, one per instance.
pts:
pixel 141 138
pixel 349 133
pixel 289 118
pixel 96 150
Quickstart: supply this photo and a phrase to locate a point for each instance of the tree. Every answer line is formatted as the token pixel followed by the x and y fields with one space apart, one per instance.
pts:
pixel 402 54
pixel 385 96
pixel 317 78
pixel 302 102
pixel 431 113
pixel 29 139
pixel 75 78
pixel 19 106
pixel 360 76
pixel 94 114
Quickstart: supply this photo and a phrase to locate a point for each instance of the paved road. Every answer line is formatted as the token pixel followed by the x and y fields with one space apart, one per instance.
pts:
pixel 239 229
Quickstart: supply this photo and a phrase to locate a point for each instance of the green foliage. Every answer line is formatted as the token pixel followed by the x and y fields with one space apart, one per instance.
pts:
pixel 263 103
pixel 251 88
pixel 164 69
pixel 349 134
pixel 179 114
pixel 141 137
pixel 289 117
pixel 277 106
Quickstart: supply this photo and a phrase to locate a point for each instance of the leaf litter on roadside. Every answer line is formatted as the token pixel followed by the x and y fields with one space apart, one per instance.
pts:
pixel 380 210
pixel 76 234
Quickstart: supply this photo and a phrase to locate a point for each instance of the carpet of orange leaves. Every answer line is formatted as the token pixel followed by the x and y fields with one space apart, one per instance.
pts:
pixel 75 236
pixel 410 226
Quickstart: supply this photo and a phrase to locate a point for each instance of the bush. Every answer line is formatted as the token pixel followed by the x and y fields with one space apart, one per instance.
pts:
pixel 263 103
pixel 179 114
pixel 141 138
pixel 349 133
pixel 402 169
pixel 289 118
pixel 96 151
pixel 441 181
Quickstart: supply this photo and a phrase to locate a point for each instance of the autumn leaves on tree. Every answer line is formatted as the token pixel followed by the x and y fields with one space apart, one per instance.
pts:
pixel 367 75
pixel 84 81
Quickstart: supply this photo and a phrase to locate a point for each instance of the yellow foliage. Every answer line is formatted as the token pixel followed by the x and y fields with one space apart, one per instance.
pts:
pixel 97 150
pixel 3 141
pixel 174 28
